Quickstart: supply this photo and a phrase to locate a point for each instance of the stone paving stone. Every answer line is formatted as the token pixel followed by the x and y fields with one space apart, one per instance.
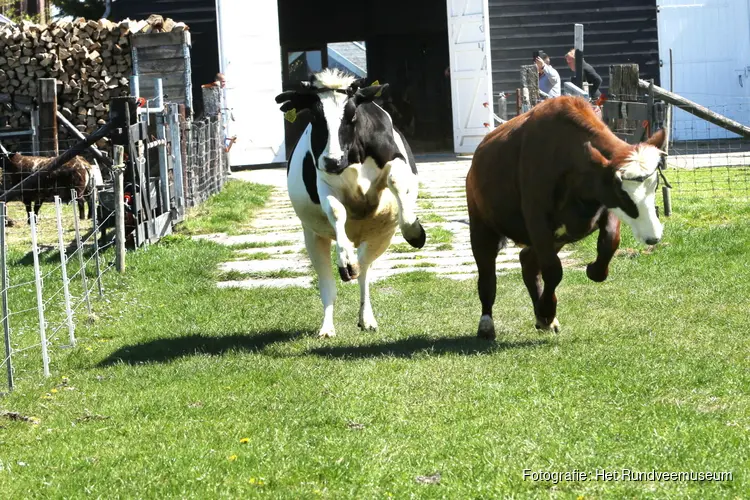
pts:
pixel 442 185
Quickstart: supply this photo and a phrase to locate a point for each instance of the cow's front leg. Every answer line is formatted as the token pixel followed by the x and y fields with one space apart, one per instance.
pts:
pixel 345 254
pixel 606 246
pixel 546 307
pixel 405 187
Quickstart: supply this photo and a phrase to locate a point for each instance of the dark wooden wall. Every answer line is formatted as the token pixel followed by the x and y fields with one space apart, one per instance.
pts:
pixel 407 47
pixel 615 32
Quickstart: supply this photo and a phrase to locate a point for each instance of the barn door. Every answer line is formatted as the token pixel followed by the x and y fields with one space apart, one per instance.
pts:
pixel 471 72
pixel 710 44
pixel 251 61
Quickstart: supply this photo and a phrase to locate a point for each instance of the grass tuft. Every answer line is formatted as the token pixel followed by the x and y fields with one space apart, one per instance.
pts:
pixel 229 211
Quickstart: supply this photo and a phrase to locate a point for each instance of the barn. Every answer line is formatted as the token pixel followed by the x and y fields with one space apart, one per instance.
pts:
pixel 446 61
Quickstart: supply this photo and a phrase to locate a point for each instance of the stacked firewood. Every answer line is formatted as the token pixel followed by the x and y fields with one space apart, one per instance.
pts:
pixel 90 59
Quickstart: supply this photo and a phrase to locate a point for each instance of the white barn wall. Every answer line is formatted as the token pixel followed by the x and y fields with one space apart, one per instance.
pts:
pixel 250 58
pixel 710 41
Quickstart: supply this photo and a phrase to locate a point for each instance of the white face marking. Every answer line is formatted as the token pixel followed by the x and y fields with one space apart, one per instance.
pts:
pixel 642 162
pixel 333 111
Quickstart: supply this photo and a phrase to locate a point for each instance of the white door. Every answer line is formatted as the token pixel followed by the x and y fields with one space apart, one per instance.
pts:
pixel 710 42
pixel 250 56
pixel 471 72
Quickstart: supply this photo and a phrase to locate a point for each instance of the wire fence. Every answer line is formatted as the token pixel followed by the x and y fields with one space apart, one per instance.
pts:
pixel 52 271
pixel 707 159
pixel 206 169
pixel 53 250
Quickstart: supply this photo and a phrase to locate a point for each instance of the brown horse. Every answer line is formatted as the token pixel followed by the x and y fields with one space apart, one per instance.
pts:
pixel 553 176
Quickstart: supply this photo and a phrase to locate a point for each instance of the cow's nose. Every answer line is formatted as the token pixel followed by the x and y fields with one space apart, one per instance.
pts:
pixel 652 241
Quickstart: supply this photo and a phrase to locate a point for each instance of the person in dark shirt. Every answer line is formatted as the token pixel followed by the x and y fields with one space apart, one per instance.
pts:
pixel 589 74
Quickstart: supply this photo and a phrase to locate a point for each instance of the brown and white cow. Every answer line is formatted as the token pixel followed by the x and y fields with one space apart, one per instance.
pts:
pixel 553 176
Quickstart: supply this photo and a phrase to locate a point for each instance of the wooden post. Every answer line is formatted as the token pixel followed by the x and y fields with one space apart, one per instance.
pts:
pixel 530 81
pixel 623 81
pixel 519 102
pixel 578 45
pixel 48 116
pixel 119 170
pixel 211 101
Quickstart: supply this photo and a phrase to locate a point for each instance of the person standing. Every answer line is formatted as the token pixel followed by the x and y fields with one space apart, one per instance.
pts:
pixel 549 78
pixel 590 75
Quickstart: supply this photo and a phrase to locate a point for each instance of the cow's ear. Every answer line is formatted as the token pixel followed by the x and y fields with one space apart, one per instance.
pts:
pixel 369 94
pixel 292 99
pixel 658 139
pixel 356 85
pixel 594 156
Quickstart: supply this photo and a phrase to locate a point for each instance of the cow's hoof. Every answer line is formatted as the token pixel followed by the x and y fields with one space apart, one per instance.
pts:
pixel 554 326
pixel 368 326
pixel 327 333
pixel 415 236
pixel 486 328
pixel 350 272
pixel 595 273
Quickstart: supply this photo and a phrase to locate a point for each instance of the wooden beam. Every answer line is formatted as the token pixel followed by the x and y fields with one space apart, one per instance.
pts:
pixel 697 110
pixel 48 116
pixel 73 130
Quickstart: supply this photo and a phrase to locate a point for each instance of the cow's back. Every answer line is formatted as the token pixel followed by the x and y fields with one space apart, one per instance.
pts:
pixel 492 188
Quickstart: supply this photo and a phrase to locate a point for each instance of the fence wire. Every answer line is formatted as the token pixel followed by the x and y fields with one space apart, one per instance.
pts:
pixel 21 283
pixel 206 168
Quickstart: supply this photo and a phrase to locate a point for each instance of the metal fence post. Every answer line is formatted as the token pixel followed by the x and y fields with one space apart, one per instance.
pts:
pixel 94 235
pixel 161 134
pixel 4 283
pixel 64 270
pixel 118 171
pixel 39 298
pixel 176 149
pixel 79 249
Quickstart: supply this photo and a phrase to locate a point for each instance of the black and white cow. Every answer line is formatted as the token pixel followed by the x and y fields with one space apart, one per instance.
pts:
pixel 351 179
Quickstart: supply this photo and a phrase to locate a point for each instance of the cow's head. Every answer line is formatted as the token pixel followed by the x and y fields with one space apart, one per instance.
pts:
pixel 632 177
pixel 332 98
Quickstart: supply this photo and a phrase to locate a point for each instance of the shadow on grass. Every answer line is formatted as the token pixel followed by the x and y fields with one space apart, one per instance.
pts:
pixel 166 350
pixel 409 347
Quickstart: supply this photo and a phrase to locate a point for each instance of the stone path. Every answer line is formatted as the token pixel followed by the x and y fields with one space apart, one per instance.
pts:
pixel 281 261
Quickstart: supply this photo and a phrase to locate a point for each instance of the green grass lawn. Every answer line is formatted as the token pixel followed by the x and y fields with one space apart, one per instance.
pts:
pixel 183 390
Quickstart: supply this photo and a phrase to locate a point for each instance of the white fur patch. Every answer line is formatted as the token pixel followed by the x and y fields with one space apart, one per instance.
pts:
pixel 332 78
pixel 642 161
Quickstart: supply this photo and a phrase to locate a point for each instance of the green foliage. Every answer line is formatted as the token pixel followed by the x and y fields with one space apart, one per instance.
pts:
pixel 89 9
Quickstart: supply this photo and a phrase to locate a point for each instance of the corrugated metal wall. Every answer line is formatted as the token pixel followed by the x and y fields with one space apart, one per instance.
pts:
pixel 200 16
pixel 615 32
